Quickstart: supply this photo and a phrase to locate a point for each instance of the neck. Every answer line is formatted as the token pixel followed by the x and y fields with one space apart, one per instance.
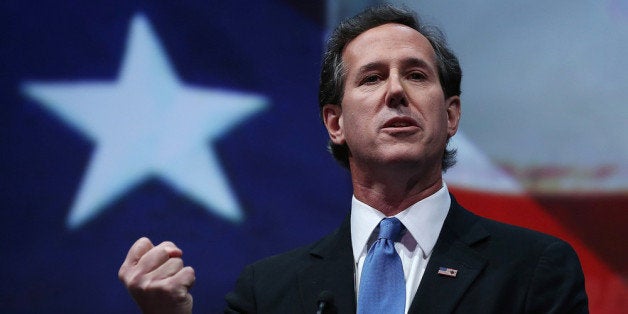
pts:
pixel 390 191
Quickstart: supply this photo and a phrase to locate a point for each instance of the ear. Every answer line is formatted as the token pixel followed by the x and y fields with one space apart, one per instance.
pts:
pixel 453 115
pixel 332 117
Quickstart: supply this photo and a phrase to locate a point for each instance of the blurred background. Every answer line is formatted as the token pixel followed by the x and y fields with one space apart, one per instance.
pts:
pixel 197 122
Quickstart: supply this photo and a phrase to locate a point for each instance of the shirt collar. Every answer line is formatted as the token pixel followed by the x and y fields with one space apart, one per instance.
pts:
pixel 423 220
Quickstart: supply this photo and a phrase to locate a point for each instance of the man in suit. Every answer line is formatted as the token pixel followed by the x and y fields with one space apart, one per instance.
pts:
pixel 390 100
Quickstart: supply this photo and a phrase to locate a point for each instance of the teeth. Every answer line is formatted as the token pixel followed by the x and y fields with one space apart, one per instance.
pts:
pixel 399 124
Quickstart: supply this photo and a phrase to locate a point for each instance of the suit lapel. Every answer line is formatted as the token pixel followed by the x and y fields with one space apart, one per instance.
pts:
pixel 331 269
pixel 439 293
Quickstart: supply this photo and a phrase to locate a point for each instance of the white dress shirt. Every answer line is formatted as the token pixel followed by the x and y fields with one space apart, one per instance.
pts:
pixel 422 221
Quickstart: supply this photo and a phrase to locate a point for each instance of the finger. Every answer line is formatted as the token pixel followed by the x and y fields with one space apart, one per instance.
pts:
pixel 137 250
pixel 177 286
pixel 173 251
pixel 185 277
pixel 167 269
pixel 158 255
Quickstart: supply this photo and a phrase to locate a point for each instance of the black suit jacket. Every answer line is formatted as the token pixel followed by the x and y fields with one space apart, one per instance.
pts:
pixel 501 269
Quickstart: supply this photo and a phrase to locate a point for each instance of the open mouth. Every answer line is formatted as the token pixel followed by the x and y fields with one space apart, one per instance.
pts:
pixel 400 122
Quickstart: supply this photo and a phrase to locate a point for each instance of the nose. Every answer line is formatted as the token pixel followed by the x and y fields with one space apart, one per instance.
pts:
pixel 396 95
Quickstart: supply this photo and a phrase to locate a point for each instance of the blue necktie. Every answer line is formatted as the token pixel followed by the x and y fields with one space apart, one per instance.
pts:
pixel 382 285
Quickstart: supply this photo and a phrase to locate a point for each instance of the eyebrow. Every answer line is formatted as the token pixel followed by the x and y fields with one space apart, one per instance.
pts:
pixel 370 67
pixel 417 63
pixel 408 62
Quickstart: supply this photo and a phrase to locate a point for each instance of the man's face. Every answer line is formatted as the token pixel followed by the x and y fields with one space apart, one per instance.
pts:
pixel 393 111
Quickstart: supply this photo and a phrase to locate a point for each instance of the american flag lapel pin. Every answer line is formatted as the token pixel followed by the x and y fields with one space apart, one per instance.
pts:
pixel 446 271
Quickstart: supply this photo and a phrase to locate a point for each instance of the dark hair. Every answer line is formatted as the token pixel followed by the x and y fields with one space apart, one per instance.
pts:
pixel 333 73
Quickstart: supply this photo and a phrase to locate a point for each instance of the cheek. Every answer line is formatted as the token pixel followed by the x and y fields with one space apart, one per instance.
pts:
pixel 359 112
pixel 353 127
pixel 356 122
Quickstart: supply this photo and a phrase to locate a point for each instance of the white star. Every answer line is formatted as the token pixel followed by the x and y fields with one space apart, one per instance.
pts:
pixel 148 123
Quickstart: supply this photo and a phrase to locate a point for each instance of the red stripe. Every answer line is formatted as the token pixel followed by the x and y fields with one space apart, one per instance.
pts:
pixel 606 287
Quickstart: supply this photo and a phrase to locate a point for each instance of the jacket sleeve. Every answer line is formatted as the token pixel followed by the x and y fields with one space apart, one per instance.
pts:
pixel 242 298
pixel 557 285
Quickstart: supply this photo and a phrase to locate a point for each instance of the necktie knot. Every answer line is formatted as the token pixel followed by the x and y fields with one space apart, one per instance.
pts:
pixel 390 229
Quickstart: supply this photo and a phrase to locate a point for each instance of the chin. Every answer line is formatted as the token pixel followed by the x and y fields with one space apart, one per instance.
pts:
pixel 403 160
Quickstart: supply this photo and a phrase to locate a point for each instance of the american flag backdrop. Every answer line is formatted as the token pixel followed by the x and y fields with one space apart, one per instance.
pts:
pixel 197 122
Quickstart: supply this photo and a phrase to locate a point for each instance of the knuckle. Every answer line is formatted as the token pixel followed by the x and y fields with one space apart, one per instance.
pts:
pixel 140 287
pixel 178 262
pixel 169 286
pixel 167 250
pixel 167 243
pixel 190 273
pixel 122 273
pixel 162 250
pixel 179 293
pixel 172 290
pixel 136 280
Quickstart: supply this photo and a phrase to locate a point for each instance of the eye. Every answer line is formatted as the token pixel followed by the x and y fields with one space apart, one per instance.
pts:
pixel 370 79
pixel 418 76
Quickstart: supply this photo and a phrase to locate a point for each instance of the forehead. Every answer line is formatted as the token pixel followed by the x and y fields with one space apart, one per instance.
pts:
pixel 387 43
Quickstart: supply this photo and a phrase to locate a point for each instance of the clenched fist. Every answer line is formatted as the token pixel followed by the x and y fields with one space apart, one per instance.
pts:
pixel 156 278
